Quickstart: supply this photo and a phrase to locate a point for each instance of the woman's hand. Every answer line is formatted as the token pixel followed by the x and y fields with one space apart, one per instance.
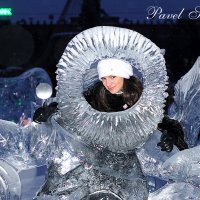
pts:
pixel 166 142
pixel 43 113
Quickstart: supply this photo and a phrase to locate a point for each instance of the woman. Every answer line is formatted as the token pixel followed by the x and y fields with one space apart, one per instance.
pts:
pixel 117 90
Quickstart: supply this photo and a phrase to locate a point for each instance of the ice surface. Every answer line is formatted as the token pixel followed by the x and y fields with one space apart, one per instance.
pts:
pixel 18 94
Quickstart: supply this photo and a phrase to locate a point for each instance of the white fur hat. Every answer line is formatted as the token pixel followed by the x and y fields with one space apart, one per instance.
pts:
pixel 114 67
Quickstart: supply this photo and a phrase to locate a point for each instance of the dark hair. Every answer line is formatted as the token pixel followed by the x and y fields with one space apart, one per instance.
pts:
pixel 97 95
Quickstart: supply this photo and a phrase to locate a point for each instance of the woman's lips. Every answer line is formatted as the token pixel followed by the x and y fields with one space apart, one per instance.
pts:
pixel 111 88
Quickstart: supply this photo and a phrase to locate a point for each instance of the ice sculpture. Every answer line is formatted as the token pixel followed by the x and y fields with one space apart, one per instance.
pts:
pixel 112 167
pixel 187 101
pixel 182 172
pixel 92 154
pixel 10 185
pixel 126 130
pixel 18 94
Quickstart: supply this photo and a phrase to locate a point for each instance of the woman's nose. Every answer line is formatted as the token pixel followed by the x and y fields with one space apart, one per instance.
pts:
pixel 108 83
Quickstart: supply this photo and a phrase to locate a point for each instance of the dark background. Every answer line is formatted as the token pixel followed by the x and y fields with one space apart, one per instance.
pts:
pixel 28 43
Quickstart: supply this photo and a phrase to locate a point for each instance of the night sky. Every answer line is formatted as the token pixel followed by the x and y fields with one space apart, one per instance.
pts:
pixel 130 9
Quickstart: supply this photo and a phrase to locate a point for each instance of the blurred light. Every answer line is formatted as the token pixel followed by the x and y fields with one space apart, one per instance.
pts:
pixel 5 11
pixel 44 91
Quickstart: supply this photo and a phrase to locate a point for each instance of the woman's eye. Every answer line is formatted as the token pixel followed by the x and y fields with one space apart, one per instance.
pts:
pixel 113 76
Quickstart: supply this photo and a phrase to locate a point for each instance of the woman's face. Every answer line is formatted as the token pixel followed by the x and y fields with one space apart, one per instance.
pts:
pixel 113 84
